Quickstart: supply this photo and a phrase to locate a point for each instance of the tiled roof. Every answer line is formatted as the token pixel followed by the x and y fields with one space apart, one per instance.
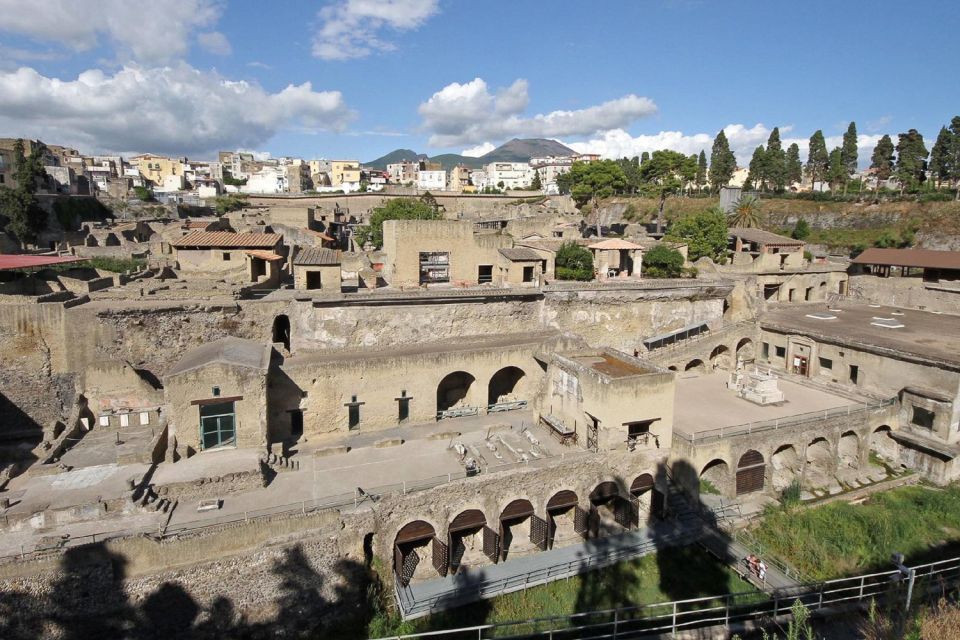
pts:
pixel 12 261
pixel 520 254
pixel 919 258
pixel 762 237
pixel 317 256
pixel 614 243
pixel 264 255
pixel 227 240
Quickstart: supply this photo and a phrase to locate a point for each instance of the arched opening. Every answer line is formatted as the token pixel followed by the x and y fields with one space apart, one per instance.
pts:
pixel 466 534
pixel 281 330
pixel 521 531
pixel 610 512
pixel 696 366
pixel 820 463
pixel 411 548
pixel 714 476
pixel 566 521
pixel 745 352
pixel 672 367
pixel 720 357
pixel 751 470
pixel 505 385
pixel 648 501
pixel 786 467
pixel 848 450
pixel 368 550
pixel 111 240
pixel 883 444
pixel 453 389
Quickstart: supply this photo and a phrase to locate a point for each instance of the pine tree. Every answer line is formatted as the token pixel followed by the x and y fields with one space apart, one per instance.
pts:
pixel 849 153
pixel 882 161
pixel 837 173
pixel 955 153
pixel 722 162
pixel 818 161
pixel 774 162
pixel 940 157
pixel 793 167
pixel 911 160
pixel 701 170
pixel 755 176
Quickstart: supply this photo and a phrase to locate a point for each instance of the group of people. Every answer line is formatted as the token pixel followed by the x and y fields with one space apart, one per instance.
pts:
pixel 757 567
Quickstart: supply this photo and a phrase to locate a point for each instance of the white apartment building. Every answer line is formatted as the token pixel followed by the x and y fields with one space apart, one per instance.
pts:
pixel 432 180
pixel 513 175
pixel 266 180
pixel 403 172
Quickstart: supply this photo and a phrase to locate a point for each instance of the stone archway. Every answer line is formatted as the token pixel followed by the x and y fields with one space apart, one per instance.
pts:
pixel 696 366
pixel 563 522
pixel 884 446
pixel 751 472
pixel 720 357
pixel 610 511
pixel 848 450
pixel 506 385
pixel 745 350
pixel 820 467
pixel 648 501
pixel 281 330
pixel 716 475
pixel 465 539
pixel 414 552
pixel 521 531
pixel 786 467
pixel 453 390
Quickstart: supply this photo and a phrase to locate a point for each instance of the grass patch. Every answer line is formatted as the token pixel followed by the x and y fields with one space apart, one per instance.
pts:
pixel 117 265
pixel 842 539
pixel 707 487
pixel 661 577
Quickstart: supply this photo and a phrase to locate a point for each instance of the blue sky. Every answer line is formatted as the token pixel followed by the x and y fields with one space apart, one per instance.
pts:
pixel 358 78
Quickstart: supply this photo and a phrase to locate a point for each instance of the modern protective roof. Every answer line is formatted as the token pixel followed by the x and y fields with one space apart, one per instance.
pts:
pixel 18 261
pixel 315 256
pixel 236 352
pixel 762 237
pixel 919 258
pixel 227 240
pixel 520 254
pixel 264 255
pixel 614 244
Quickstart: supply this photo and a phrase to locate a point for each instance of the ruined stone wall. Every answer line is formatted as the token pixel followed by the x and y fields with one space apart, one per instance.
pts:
pixel 906 292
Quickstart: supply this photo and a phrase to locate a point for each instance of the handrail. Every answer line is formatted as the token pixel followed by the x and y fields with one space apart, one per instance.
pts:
pixel 721 610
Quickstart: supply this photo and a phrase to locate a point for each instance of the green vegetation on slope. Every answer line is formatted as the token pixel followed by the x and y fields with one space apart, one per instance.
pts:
pixel 841 539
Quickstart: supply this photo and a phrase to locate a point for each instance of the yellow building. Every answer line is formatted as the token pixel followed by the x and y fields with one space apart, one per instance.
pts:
pixel 157 168
pixel 344 172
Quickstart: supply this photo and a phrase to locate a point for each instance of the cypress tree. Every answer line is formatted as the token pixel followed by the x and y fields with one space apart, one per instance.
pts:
pixel 837 173
pixel 882 160
pixel 757 165
pixel 793 167
pixel 940 157
pixel 849 152
pixel 774 162
pixel 911 160
pixel 955 153
pixel 701 170
pixel 722 162
pixel 818 161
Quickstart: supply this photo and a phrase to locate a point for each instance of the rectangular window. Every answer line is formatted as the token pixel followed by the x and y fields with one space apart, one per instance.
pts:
pixel 104 421
pixel 217 425
pixel 809 294
pixel 313 280
pixel 826 363
pixel 124 419
pixel 528 274
pixel 484 273
pixel 854 373
pixel 781 352
pixel 434 267
pixel 922 417
pixel 144 418
pixel 765 350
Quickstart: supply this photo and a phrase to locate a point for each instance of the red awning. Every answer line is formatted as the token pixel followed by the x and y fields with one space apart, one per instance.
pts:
pixel 19 261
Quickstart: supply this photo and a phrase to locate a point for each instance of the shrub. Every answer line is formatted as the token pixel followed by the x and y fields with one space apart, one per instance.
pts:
pixel 663 262
pixel 801 231
pixel 790 495
pixel 143 194
pixel 704 233
pixel 574 262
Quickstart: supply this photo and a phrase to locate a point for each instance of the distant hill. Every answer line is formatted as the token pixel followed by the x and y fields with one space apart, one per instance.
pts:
pixel 515 150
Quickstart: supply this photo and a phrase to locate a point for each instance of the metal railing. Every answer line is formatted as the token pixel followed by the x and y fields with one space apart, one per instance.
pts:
pixel 886 587
pixel 760 426
pixel 709 334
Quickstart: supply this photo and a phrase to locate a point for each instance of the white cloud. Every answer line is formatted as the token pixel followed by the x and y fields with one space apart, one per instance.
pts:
pixel 479 150
pixel 215 43
pixel 144 31
pixel 174 110
pixel 743 140
pixel 353 28
pixel 256 64
pixel 463 114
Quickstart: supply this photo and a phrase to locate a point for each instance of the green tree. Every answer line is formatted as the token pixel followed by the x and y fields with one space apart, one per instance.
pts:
pixel 837 172
pixel 801 230
pixel 665 174
pixel 662 262
pixel 849 153
pixel 882 161
pixel 25 219
pixel 536 184
pixel 793 168
pixel 593 181
pixel 940 157
pixel 644 157
pixel 755 174
pixel 229 202
pixel 911 164
pixel 954 170
pixel 818 160
pixel 701 179
pixel 775 162
pixel 722 162
pixel 747 213
pixel 396 209
pixel 143 193
pixel 574 262
pixel 704 233
pixel 631 171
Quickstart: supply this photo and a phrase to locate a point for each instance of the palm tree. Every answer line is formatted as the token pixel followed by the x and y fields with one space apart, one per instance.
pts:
pixel 746 213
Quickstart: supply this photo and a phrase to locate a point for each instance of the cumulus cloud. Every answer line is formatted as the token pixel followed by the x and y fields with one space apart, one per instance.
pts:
pixel 174 110
pixel 618 143
pixel 479 150
pixel 141 30
pixel 463 114
pixel 355 28
pixel 215 43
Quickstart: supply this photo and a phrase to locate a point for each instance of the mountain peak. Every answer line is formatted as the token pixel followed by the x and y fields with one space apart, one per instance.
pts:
pixel 515 150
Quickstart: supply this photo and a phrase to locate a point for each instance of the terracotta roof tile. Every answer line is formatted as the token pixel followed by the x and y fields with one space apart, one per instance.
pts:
pixel 227 240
